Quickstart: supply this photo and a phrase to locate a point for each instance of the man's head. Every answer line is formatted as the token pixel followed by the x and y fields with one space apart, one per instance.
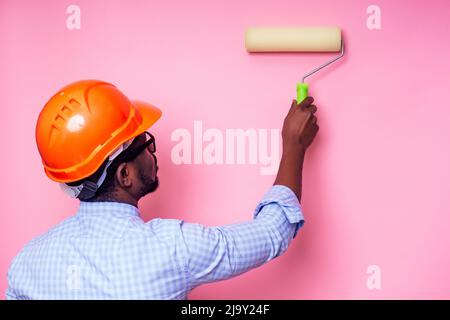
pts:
pixel 130 176
pixel 83 136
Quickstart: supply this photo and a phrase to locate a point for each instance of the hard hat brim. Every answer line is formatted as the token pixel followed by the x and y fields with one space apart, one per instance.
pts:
pixel 150 114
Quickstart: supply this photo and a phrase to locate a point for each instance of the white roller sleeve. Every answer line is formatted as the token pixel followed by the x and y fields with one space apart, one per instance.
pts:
pixel 310 39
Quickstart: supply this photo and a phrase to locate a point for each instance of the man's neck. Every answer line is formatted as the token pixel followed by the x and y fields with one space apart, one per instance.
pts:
pixel 126 198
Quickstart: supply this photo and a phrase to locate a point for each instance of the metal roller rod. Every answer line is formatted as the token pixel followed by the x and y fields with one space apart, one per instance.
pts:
pixel 327 63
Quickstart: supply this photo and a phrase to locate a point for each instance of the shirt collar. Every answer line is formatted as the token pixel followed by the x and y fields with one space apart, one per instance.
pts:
pixel 107 208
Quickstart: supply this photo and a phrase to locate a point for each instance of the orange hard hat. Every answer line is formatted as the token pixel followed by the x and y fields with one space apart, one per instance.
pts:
pixel 83 123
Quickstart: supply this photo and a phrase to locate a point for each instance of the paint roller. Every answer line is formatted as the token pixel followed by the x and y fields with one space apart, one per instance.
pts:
pixel 296 39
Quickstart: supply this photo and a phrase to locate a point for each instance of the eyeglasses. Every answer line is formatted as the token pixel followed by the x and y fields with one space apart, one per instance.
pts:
pixel 133 151
pixel 149 143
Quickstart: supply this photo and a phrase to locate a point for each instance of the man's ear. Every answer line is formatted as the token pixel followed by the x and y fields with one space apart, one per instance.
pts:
pixel 123 176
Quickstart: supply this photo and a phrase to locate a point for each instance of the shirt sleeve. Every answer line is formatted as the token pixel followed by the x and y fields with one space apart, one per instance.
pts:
pixel 218 253
pixel 10 295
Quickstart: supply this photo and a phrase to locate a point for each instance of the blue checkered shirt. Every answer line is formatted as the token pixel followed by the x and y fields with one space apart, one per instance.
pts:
pixel 106 251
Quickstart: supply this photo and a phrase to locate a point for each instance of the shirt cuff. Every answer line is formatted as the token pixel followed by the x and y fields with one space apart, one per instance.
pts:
pixel 287 200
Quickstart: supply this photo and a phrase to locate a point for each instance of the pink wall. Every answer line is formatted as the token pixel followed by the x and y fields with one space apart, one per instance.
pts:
pixel 376 180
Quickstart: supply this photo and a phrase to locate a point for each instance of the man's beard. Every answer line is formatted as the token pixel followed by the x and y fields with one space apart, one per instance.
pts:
pixel 149 185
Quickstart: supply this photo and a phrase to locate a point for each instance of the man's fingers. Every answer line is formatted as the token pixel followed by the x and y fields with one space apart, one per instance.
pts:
pixel 293 106
pixel 306 102
pixel 314 127
pixel 311 121
pixel 312 108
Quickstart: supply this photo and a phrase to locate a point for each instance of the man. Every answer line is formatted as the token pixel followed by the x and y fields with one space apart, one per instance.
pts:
pixel 93 141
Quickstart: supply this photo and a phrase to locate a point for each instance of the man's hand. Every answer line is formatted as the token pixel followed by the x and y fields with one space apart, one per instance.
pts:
pixel 299 129
pixel 300 126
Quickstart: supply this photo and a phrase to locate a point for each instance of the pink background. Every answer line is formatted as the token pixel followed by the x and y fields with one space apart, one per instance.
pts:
pixel 376 180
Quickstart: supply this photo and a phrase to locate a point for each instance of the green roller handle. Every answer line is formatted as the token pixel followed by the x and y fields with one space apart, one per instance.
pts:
pixel 302 91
